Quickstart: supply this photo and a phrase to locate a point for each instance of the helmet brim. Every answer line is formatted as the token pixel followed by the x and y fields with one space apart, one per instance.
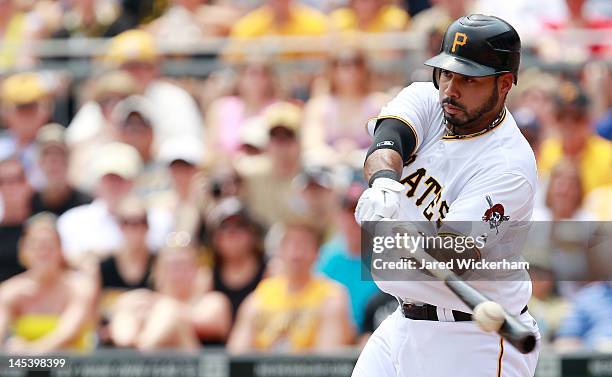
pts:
pixel 460 65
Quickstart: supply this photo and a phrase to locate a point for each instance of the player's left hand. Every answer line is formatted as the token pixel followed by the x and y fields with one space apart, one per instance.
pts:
pixel 381 201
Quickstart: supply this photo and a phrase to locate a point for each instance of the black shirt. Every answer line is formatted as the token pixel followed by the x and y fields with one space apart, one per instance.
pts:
pixel 75 199
pixel 112 279
pixel 379 307
pixel 236 296
pixel 9 240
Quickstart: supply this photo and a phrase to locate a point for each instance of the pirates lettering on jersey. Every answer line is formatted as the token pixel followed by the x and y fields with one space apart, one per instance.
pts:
pixel 431 185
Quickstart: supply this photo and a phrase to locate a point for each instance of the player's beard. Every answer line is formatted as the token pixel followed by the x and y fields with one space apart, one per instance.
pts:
pixel 472 116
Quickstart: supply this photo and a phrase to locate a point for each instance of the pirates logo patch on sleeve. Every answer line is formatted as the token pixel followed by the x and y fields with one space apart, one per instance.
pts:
pixel 494 215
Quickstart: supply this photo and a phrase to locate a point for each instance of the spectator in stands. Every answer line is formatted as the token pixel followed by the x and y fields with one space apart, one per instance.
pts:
pixel 94 228
pixel 589 324
pixel 371 16
pixel 93 121
pixel 564 195
pixel 277 18
pixel 93 125
pixel 131 265
pixel 377 310
pixel 545 305
pixel 340 257
pixel 333 122
pixel 316 197
pixel 134 124
pixel 268 188
pixel 15 208
pixel 57 195
pixel 564 225
pixel 49 307
pixel 577 141
pixel 188 196
pixel 85 18
pixel 296 311
pixel 175 112
pixel 283 18
pixel 239 265
pixel 190 20
pixel 226 117
pixel 26 107
pixel 181 313
pixel 15 33
pixel 441 12
pixel 528 123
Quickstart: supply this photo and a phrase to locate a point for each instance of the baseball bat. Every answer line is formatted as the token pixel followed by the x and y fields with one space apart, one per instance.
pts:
pixel 512 330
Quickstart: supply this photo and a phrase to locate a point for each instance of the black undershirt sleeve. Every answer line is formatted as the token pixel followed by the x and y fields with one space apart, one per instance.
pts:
pixel 392 133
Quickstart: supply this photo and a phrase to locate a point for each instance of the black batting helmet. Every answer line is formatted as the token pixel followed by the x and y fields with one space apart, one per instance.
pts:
pixel 478 45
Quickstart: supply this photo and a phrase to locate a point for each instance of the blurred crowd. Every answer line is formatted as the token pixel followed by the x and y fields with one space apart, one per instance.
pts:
pixel 150 211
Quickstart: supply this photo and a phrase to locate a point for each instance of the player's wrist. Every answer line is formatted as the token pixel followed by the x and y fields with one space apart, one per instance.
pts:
pixel 385 173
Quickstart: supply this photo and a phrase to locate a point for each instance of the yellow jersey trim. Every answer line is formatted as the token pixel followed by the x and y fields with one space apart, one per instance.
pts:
pixel 499 358
pixel 403 121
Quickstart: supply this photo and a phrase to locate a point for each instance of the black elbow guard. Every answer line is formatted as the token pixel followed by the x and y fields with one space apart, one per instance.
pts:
pixel 392 133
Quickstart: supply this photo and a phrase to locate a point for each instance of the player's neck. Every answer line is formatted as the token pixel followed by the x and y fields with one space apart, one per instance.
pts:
pixel 483 123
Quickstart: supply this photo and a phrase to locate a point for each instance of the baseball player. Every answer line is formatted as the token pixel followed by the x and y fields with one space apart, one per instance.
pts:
pixel 451 151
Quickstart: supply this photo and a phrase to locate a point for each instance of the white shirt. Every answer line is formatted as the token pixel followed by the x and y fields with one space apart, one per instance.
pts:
pixel 90 228
pixel 175 114
pixel 459 179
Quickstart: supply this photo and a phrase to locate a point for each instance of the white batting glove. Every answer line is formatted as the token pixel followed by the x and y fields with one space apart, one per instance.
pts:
pixel 381 201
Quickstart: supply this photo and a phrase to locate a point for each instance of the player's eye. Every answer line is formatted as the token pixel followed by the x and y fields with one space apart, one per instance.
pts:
pixel 446 74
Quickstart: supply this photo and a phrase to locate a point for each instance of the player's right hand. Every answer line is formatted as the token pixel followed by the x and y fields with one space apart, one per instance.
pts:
pixel 381 201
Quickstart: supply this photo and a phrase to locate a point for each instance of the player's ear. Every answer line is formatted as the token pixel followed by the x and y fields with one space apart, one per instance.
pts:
pixel 504 83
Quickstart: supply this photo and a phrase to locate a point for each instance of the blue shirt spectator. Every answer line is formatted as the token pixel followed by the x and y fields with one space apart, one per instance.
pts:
pixel 590 319
pixel 339 264
pixel 604 125
pixel 340 258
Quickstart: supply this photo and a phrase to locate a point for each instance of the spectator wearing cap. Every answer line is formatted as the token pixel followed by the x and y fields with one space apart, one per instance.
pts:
pixel 26 107
pixel 269 190
pixel 15 209
pixel 93 121
pixel 577 141
pixel 340 258
pixel 175 112
pixel 296 310
pixel 134 125
pixel 94 228
pixel 57 195
pixel 239 263
pixel 370 16
pixel 186 197
pixel 180 313
pixel 316 197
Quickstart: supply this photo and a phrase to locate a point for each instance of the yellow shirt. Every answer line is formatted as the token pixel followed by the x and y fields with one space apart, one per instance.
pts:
pixel 303 20
pixel 14 34
pixel 595 162
pixel 31 327
pixel 388 18
pixel 289 321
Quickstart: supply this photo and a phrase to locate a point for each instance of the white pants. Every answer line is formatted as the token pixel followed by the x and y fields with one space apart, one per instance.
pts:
pixel 402 347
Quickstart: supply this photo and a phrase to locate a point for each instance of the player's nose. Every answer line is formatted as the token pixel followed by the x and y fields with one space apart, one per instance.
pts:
pixel 452 89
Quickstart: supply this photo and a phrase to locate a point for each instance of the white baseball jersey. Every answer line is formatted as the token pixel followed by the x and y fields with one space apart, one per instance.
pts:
pixel 487 178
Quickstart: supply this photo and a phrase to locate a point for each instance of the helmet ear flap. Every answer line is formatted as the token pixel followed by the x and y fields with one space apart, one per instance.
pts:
pixel 436 76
